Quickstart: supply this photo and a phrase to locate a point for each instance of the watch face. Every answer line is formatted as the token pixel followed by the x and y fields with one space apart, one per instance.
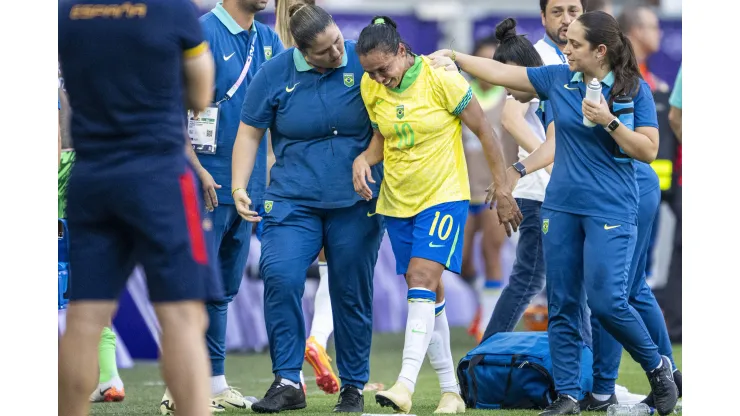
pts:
pixel 613 125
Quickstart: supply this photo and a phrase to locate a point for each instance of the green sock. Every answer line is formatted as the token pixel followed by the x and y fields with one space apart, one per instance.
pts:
pixel 107 355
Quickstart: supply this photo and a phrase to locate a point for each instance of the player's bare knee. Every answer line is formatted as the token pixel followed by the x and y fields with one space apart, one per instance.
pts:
pixel 420 277
pixel 87 318
pixel 178 315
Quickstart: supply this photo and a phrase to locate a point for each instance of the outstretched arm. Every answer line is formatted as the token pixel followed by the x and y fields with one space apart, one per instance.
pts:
pixel 484 69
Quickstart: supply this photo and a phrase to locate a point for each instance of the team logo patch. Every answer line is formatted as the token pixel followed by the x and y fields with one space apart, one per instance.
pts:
pixel 207 224
pixel 545 225
pixel 268 207
pixel 349 80
pixel 399 112
pixel 268 52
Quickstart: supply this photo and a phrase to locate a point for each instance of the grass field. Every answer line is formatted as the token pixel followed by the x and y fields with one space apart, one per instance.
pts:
pixel 252 375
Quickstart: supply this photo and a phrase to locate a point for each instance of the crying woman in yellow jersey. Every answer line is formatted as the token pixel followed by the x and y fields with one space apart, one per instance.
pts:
pixel 417 114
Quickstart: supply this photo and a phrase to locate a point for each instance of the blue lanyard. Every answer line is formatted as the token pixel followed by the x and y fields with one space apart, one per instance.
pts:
pixel 554 46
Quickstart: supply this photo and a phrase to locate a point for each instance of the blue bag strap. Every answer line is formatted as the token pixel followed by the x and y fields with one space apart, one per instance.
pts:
pixel 551 394
pixel 473 382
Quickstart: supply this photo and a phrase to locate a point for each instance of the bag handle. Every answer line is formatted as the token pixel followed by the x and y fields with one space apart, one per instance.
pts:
pixel 551 392
pixel 473 382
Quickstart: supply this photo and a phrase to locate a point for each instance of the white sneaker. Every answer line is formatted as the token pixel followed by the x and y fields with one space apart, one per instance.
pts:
pixel 625 397
pixel 232 399
pixel 112 391
pixel 167 405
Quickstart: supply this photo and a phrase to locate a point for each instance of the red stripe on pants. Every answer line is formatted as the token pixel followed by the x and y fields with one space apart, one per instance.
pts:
pixel 192 218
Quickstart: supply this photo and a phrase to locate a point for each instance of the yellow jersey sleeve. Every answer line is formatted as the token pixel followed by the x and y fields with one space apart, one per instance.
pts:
pixel 452 90
pixel 368 88
pixel 196 51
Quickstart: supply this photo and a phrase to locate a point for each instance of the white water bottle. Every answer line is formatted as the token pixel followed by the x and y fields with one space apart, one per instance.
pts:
pixel 593 94
pixel 639 409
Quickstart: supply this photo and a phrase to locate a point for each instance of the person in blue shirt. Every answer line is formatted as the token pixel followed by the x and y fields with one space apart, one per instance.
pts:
pixel 240 45
pixel 309 98
pixel 607 351
pixel 589 216
pixel 131 71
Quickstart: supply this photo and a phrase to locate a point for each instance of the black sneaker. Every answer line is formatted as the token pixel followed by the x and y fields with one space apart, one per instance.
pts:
pixel 280 397
pixel 350 400
pixel 592 404
pixel 663 388
pixel 563 405
pixel 650 401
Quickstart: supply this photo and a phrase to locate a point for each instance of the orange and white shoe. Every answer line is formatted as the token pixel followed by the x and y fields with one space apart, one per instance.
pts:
pixel 112 391
pixel 318 358
pixel 474 327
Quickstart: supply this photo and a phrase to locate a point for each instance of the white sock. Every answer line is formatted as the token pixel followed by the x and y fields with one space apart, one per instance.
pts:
pixel 323 324
pixel 602 397
pixel 218 385
pixel 659 365
pixel 439 352
pixel 285 382
pixel 419 329
pixel 489 297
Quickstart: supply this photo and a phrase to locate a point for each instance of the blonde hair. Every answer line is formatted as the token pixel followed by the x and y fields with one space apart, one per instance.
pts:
pixel 282 19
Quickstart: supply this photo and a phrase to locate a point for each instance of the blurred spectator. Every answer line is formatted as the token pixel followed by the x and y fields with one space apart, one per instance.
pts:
pixel 669 297
pixel 602 5
pixel 487 282
pixel 642 27
pixel 676 101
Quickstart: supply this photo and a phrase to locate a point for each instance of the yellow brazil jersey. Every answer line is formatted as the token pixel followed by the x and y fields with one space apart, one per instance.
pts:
pixel 424 163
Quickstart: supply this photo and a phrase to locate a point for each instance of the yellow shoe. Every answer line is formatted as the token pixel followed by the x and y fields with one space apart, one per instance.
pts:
pixel 398 397
pixel 318 358
pixel 167 405
pixel 451 403
pixel 231 399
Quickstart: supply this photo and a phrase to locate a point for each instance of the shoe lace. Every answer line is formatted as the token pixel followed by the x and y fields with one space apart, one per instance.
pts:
pixel 235 393
pixel 557 403
pixel 349 396
pixel 273 388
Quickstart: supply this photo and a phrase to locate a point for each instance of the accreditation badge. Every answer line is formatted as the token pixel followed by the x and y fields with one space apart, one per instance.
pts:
pixel 202 130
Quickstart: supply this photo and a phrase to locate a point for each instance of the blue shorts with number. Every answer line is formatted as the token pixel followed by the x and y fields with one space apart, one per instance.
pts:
pixel 434 234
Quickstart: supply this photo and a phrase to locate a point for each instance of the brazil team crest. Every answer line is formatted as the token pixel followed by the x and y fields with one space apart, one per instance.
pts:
pixel 268 207
pixel 268 52
pixel 349 80
pixel 545 225
pixel 399 111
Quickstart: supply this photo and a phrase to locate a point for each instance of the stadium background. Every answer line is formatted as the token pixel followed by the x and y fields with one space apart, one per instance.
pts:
pixel 426 26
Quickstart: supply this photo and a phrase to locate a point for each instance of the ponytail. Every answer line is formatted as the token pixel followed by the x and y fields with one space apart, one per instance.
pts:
pixel 626 70
pixel 602 29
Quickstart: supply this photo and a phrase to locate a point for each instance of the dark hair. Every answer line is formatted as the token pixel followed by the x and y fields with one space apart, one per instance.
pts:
pixel 602 29
pixel 489 40
pixel 306 22
pixel 515 48
pixel 382 34
pixel 543 5
pixel 630 17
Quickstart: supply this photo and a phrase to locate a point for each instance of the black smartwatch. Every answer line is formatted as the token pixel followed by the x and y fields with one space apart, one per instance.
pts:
pixel 613 125
pixel 520 168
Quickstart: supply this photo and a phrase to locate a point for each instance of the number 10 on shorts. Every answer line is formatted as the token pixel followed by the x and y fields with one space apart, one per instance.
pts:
pixel 445 226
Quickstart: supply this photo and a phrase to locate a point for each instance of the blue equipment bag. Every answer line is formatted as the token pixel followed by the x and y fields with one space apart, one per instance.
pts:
pixel 513 370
